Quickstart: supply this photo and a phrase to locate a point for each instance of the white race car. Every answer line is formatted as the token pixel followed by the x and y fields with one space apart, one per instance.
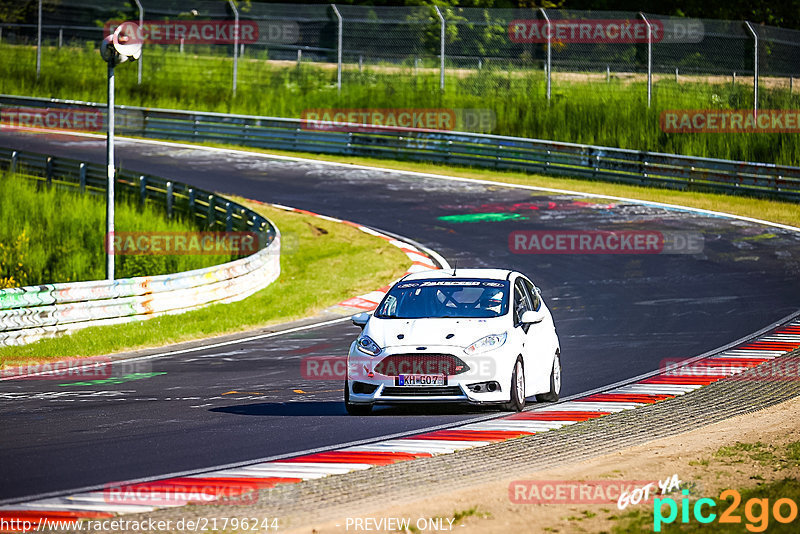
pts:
pixel 477 336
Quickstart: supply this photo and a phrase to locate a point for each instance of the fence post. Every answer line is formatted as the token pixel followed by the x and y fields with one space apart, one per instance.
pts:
pixel 192 214
pixel 338 48
pixel 649 58
pixel 548 65
pixel 169 199
pixel 235 43
pixel 141 23
pixel 39 41
pixel 12 168
pixel 442 27
pixel 60 37
pixel 82 176
pixel 755 69
pixel 299 56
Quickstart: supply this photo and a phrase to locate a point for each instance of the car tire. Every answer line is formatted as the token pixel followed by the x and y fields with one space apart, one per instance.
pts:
pixel 354 409
pixel 517 402
pixel 555 382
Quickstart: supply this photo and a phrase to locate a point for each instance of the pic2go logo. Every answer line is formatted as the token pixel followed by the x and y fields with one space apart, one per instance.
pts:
pixel 756 511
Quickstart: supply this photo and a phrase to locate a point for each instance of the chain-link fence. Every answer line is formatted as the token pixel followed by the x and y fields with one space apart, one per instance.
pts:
pixel 552 49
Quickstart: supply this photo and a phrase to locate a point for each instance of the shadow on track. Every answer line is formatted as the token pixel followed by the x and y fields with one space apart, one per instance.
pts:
pixel 336 408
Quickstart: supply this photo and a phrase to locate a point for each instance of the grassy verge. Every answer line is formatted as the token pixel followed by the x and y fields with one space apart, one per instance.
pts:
pixel 768 210
pixel 50 235
pixel 756 510
pixel 323 263
pixel 610 114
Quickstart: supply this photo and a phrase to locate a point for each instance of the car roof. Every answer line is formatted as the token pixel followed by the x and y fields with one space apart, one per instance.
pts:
pixel 461 274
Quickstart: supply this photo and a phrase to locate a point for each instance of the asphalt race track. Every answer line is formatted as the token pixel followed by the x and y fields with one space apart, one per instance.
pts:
pixel 618 315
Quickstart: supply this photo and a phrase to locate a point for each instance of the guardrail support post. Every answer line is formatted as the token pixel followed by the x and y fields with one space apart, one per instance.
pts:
pixel 650 58
pixel 169 199
pixel 191 200
pixel 755 69
pixel 82 177
pixel 12 167
pixel 235 43
pixel 141 23
pixel 48 171
pixel 228 217
pixel 210 214
pixel 338 48
pixel 142 190
pixel 442 36
pixel 549 64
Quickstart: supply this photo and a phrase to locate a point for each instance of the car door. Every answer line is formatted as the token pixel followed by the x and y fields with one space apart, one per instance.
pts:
pixel 539 341
pixel 521 303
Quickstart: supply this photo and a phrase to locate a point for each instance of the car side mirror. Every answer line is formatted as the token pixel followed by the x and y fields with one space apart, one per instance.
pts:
pixel 360 319
pixel 532 317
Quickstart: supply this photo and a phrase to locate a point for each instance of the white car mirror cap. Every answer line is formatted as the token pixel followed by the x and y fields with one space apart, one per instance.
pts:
pixel 360 319
pixel 532 317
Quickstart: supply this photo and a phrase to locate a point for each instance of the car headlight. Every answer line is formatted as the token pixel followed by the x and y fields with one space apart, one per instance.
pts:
pixel 367 346
pixel 487 343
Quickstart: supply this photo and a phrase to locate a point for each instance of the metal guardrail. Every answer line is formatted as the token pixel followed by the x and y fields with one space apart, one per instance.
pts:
pixel 456 148
pixel 31 313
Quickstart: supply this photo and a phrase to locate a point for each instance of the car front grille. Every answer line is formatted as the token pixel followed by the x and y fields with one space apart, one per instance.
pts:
pixel 446 391
pixel 421 364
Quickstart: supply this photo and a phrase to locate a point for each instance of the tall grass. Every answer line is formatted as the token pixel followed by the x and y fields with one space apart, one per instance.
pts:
pixel 50 235
pixel 610 114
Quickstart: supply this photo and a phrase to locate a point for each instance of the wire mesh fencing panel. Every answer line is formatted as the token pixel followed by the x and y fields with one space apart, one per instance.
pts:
pixel 497 62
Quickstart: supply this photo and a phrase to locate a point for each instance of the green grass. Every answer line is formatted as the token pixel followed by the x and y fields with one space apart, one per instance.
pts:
pixel 641 520
pixel 55 234
pixel 611 114
pixel 326 263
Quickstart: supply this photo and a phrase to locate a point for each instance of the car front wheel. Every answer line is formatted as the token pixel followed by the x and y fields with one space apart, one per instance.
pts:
pixel 354 409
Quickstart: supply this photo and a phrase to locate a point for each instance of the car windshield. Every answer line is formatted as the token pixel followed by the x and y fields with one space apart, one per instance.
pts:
pixel 445 298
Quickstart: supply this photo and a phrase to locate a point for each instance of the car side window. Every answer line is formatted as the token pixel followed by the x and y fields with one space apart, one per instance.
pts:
pixel 535 298
pixel 521 301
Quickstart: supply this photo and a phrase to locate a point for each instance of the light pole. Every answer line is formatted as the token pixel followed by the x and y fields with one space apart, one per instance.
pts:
pixel 122 45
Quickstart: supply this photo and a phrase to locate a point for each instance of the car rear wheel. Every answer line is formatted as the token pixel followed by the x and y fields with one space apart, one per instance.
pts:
pixel 352 408
pixel 517 402
pixel 555 382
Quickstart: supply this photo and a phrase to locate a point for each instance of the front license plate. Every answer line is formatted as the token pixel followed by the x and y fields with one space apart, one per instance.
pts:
pixel 420 380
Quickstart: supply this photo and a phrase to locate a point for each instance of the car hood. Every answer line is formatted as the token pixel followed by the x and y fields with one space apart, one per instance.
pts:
pixel 431 331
